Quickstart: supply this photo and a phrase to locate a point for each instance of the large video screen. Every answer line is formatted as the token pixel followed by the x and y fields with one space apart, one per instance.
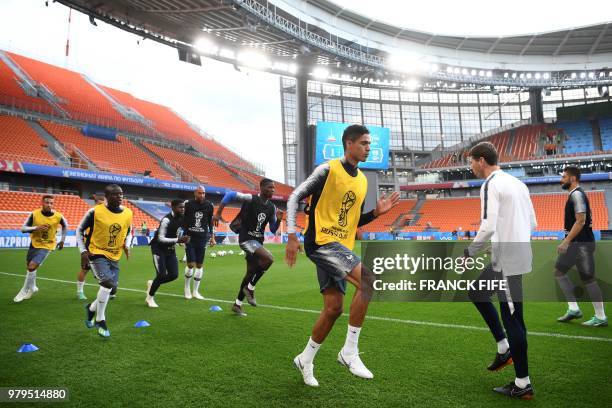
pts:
pixel 329 145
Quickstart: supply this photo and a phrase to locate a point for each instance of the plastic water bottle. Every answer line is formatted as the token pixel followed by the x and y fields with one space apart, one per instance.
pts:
pixel 180 232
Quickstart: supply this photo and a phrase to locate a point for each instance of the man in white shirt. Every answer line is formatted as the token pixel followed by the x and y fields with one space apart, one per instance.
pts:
pixel 508 218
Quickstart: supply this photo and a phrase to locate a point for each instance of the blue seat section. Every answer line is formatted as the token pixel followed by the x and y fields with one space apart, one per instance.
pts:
pixel 154 208
pixel 605 128
pixel 579 136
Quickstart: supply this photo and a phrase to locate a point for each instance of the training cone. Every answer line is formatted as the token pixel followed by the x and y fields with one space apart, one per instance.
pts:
pixel 27 348
pixel 215 308
pixel 142 323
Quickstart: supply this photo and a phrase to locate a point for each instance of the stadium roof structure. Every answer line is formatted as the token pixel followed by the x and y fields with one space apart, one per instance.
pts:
pixel 324 40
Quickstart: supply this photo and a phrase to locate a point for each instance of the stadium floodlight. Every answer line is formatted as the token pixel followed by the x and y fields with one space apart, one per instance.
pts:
pixel 411 84
pixel 489 74
pixel 591 75
pixel 464 71
pixel 473 72
pixel 206 46
pixel 506 75
pixel 457 70
pixel 292 68
pixel 449 70
pixel 538 75
pixel 253 59
pixel 573 75
pixel 320 73
pixel 481 73
pixel 546 75
pixel 403 61
pixel 227 53
pixel 522 76
pixel 528 75
pixel 514 75
pixel 280 66
pixel 582 75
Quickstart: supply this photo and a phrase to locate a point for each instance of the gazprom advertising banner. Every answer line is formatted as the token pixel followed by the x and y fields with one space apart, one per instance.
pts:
pixel 329 145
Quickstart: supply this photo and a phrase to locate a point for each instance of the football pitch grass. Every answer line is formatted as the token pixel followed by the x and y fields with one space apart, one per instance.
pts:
pixel 421 354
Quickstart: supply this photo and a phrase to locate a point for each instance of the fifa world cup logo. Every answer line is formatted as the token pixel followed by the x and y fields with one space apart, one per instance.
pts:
pixel 261 217
pixel 198 219
pixel 347 203
pixel 113 232
pixel 45 235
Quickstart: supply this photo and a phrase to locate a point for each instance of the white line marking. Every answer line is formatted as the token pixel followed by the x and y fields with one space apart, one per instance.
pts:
pixel 379 318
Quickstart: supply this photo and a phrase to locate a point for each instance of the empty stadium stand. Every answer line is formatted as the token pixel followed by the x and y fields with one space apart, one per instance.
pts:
pixel 605 129
pixel 452 213
pixel 119 156
pixel 448 214
pixel 13 94
pixel 75 95
pixel 385 221
pixel 549 210
pixel 204 170
pixel 71 206
pixel 579 136
pixel 19 142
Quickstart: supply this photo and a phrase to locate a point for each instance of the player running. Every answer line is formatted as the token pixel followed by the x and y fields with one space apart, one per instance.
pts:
pixel 162 248
pixel 337 193
pixel 198 226
pixel 578 249
pixel 42 226
pixel 110 227
pixel 99 199
pixel 250 224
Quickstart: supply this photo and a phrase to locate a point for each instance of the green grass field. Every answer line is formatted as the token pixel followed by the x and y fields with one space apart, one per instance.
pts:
pixel 192 357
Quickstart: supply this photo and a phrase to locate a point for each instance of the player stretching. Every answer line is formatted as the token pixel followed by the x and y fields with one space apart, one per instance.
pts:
pixel 337 191
pixel 198 226
pixel 42 225
pixel 162 248
pixel 577 249
pixel 250 224
pixel 99 199
pixel 109 234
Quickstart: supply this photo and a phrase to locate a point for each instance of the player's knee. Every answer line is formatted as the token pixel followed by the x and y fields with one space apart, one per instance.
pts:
pixel 559 273
pixel 32 266
pixel 334 311
pixel 109 284
pixel 188 271
pixel 587 279
pixel 265 262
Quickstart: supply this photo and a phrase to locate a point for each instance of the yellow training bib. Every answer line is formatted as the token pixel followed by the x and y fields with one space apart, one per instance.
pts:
pixel 45 239
pixel 338 210
pixel 109 232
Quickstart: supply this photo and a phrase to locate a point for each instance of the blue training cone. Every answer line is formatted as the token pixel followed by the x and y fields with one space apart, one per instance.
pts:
pixel 215 308
pixel 142 323
pixel 27 348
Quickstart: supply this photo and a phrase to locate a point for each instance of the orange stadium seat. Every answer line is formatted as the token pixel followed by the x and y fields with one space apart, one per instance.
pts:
pixel 11 93
pixel 71 206
pixel 229 213
pixel 549 210
pixel 78 97
pixel 450 213
pixel 120 156
pixel 385 221
pixel 19 142
pixel 204 170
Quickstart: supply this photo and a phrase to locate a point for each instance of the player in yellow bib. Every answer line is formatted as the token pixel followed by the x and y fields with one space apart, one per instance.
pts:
pixel 42 225
pixel 109 235
pixel 99 199
pixel 337 193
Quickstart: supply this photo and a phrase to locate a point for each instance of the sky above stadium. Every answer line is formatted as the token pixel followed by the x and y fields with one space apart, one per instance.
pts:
pixel 483 17
pixel 241 110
